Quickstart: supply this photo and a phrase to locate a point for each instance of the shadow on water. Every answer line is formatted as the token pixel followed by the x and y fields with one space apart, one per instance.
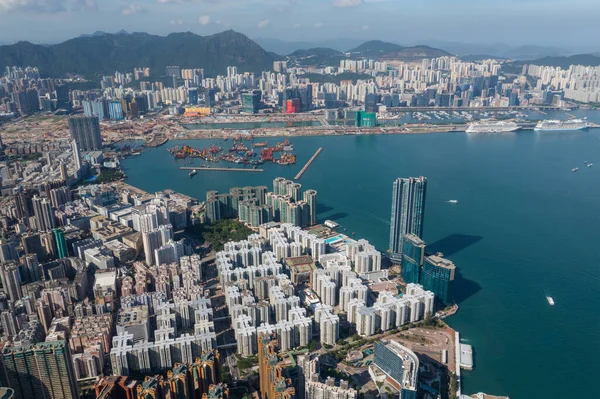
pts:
pixel 337 216
pixel 322 208
pixel 463 288
pixel 453 243
pixel 450 245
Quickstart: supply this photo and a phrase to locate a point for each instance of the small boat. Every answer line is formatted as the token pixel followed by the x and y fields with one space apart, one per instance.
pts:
pixel 453 201
pixel 550 300
pixel 193 173
pixel 589 165
pixel 574 169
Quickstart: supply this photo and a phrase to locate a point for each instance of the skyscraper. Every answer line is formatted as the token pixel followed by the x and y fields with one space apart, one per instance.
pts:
pixel 274 369
pixel 408 211
pixel 438 276
pixel 44 215
pixel 43 370
pixel 86 131
pixel 310 197
pixel 76 155
pixel 413 254
pixel 61 244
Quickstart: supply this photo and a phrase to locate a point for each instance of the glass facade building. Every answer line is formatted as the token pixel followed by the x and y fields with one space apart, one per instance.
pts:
pixel 61 243
pixel 400 364
pixel 438 276
pixel 413 254
pixel 408 211
pixel 251 102
pixel 115 110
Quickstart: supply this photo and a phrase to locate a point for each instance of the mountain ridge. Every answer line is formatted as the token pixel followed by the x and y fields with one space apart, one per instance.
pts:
pixel 104 53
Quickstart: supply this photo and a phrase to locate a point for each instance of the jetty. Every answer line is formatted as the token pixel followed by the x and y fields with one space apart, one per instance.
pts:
pixel 200 168
pixel 310 161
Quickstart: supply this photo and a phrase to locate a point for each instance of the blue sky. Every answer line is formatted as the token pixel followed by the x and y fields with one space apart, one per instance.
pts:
pixel 561 23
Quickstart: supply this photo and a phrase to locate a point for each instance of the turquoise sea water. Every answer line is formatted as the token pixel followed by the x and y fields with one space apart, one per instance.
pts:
pixel 525 226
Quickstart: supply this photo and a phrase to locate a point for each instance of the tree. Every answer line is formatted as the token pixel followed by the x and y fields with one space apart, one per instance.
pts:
pixel 312 346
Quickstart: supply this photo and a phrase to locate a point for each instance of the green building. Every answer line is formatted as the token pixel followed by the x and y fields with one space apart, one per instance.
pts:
pixel 61 244
pixel 437 276
pixel 365 119
pixel 251 101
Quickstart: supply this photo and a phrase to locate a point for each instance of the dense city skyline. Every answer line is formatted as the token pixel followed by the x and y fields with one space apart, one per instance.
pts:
pixel 53 21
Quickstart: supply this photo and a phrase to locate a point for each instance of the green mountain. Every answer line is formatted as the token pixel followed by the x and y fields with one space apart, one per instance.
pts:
pixel 106 53
pixel 378 49
pixel 565 62
pixel 319 56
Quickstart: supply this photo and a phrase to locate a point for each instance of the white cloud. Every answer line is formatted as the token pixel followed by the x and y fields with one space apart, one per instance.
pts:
pixel 347 3
pixel 132 9
pixel 177 21
pixel 297 26
pixel 40 6
pixel 47 6
pixel 318 24
pixel 204 20
pixel 263 24
pixel 366 27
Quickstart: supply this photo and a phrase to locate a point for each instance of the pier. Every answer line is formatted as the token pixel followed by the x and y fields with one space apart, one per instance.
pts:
pixel 310 161
pixel 199 168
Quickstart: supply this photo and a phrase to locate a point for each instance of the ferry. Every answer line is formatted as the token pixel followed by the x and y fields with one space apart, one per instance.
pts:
pixel 556 125
pixel 193 173
pixel 574 169
pixel 493 127
pixel 453 201
pixel 550 300
pixel 589 165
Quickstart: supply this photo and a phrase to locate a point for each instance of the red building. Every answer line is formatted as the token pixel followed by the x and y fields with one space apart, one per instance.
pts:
pixel 292 106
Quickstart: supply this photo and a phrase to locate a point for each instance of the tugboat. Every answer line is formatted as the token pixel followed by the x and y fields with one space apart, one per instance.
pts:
pixel 193 173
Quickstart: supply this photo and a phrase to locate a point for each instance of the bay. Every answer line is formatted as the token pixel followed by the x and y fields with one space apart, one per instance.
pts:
pixel 525 226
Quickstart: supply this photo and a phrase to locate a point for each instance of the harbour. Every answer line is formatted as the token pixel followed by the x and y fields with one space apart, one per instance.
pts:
pixel 200 168
pixel 498 266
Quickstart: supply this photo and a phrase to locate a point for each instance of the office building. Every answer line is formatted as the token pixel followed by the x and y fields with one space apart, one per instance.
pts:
pixel 85 130
pixel 400 365
pixel 251 102
pixel 438 277
pixel 413 254
pixel 42 370
pixel 408 211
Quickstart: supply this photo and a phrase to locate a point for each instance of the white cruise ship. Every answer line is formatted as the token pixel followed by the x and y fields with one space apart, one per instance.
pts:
pixel 493 127
pixel 555 125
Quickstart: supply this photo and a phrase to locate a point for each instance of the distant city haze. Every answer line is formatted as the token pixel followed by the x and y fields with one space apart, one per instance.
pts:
pixel 560 25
